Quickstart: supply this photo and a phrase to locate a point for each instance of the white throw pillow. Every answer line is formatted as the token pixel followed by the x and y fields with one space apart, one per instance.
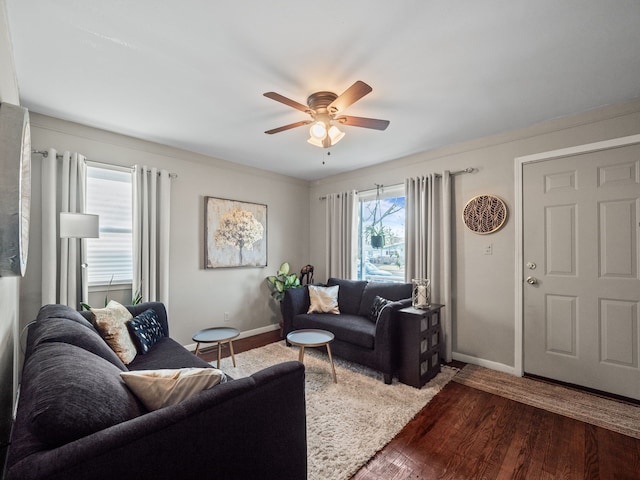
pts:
pixel 162 388
pixel 323 299
pixel 111 322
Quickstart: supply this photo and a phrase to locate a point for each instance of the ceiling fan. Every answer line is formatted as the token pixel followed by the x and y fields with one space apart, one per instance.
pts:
pixel 325 110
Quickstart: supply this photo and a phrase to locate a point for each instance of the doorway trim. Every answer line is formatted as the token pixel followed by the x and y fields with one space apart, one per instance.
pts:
pixel 520 162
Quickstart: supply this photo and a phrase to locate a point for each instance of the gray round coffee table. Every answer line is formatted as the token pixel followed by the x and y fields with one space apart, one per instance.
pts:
pixel 217 335
pixel 313 338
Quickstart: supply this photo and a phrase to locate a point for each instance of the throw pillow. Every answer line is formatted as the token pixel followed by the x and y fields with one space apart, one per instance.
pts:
pixel 162 388
pixel 111 323
pixel 145 330
pixel 323 299
pixel 376 309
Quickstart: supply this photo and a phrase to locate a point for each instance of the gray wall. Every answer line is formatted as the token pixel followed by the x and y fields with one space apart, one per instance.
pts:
pixel 9 286
pixel 198 297
pixel 484 287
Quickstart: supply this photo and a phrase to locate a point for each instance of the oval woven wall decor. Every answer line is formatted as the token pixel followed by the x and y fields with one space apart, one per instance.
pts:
pixel 484 214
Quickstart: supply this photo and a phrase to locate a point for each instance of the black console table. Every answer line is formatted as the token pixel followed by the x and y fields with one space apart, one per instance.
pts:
pixel 420 340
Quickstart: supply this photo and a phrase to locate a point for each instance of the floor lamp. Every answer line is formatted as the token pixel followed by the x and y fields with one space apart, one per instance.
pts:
pixel 80 225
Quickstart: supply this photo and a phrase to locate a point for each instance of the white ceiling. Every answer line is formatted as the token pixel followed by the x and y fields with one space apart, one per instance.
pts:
pixel 191 73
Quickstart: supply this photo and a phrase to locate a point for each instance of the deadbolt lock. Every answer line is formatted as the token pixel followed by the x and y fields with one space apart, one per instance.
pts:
pixel 531 266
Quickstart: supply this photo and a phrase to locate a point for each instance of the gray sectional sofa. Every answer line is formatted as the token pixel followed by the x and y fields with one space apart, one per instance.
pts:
pixel 76 419
pixel 358 337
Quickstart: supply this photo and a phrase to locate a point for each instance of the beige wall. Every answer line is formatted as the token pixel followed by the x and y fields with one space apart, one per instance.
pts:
pixel 484 286
pixel 198 297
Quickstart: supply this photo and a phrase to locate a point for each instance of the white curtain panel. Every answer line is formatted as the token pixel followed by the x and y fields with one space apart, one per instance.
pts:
pixel 341 234
pixel 428 241
pixel 151 216
pixel 63 190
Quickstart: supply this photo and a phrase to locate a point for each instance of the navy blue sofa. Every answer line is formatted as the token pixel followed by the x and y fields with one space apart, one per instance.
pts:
pixel 76 419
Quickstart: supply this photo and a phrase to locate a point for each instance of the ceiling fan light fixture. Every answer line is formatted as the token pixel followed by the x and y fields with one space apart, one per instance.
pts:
pixel 335 134
pixel 316 142
pixel 318 130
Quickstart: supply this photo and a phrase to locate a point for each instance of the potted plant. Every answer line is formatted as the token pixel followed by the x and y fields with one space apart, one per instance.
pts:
pixel 282 281
pixel 376 231
pixel 376 234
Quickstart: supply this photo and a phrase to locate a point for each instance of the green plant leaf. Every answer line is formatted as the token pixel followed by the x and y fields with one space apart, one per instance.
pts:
pixel 282 281
pixel 284 269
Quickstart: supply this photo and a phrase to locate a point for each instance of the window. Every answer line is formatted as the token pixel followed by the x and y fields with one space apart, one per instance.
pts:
pixel 109 195
pixel 381 215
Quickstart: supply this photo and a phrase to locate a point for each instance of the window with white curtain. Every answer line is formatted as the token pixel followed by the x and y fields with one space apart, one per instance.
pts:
pixel 109 195
pixel 381 211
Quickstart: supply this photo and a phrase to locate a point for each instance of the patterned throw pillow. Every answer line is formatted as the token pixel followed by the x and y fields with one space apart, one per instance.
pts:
pixel 111 324
pixel 376 309
pixel 323 299
pixel 145 330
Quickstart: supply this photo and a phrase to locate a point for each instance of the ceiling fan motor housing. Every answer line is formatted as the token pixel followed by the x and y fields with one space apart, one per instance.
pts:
pixel 321 100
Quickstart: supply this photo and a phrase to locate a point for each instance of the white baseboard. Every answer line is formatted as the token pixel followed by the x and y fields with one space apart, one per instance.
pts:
pixel 249 333
pixel 481 362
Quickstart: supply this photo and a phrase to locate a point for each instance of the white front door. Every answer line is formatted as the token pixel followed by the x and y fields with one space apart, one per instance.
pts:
pixel 581 224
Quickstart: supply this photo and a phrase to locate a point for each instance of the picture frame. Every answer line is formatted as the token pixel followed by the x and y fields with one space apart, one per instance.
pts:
pixel 235 233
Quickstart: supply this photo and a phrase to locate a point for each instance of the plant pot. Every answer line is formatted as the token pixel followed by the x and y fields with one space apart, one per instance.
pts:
pixel 377 241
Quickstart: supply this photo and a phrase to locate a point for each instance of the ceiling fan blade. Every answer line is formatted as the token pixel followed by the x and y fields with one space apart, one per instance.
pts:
pixel 287 127
pixel 287 101
pixel 351 95
pixel 374 123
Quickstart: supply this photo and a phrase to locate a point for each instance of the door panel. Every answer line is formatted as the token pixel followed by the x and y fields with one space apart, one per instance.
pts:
pixel 581 311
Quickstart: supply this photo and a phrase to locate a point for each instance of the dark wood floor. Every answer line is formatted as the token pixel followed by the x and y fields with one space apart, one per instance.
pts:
pixel 464 433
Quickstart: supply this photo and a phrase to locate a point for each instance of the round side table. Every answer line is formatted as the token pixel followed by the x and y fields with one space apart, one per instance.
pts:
pixel 217 335
pixel 313 338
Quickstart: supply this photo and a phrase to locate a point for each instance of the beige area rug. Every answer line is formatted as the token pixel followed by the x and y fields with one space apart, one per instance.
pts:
pixel 621 417
pixel 347 422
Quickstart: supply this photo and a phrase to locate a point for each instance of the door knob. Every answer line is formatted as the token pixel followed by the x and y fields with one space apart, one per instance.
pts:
pixel 532 281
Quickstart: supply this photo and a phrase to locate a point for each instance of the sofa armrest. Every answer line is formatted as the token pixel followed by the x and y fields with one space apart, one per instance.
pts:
pixel 295 302
pixel 386 340
pixel 227 431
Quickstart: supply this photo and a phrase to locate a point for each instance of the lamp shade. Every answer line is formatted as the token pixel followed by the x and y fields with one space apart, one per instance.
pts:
pixel 335 134
pixel 318 130
pixel 315 141
pixel 79 225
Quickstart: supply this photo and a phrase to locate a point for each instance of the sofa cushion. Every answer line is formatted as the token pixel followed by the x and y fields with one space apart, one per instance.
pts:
pixel 352 329
pixel 390 291
pixel 167 353
pixel 165 387
pixel 74 393
pixel 145 330
pixel 323 299
pixel 349 295
pixel 111 323
pixel 64 330
pixel 63 311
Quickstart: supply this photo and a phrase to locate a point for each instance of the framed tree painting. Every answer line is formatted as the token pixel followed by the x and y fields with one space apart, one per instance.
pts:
pixel 235 233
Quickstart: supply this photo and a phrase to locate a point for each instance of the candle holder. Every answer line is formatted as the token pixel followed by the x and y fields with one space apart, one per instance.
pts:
pixel 421 294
